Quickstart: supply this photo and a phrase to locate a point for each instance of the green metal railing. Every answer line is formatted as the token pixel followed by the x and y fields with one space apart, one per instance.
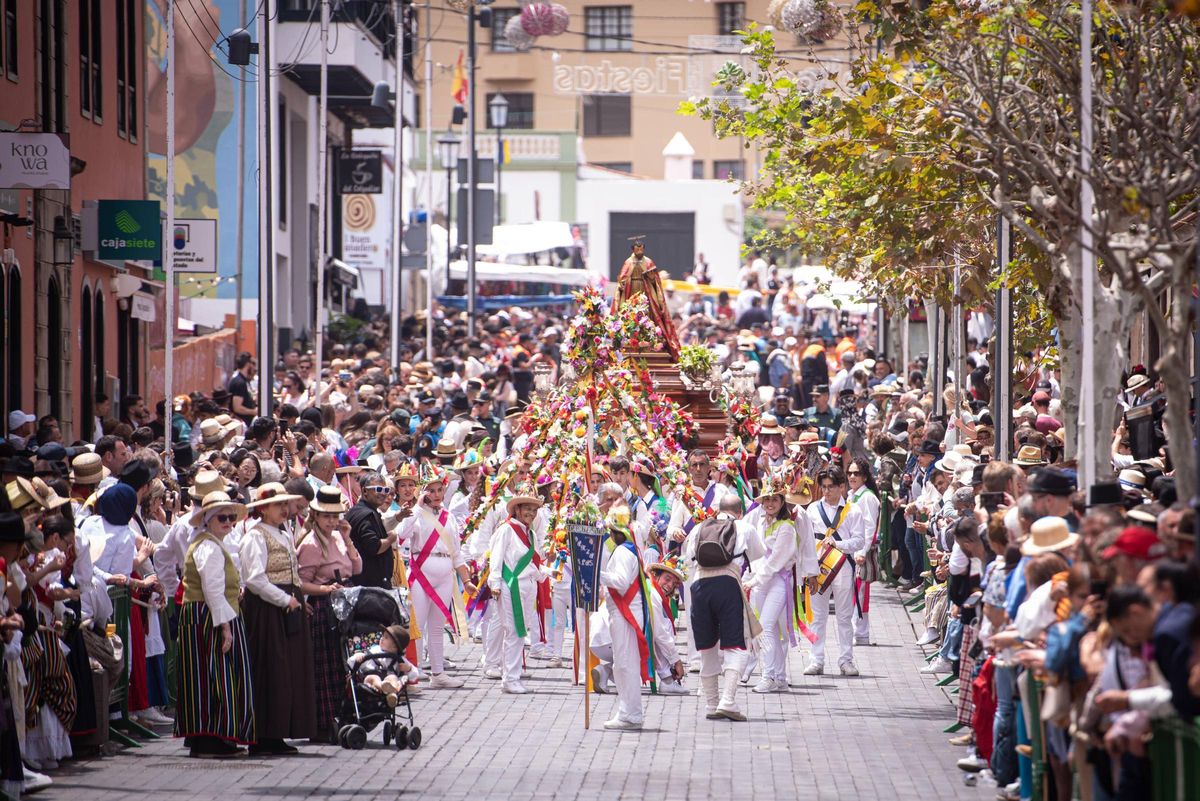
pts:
pixel 1174 752
pixel 124 729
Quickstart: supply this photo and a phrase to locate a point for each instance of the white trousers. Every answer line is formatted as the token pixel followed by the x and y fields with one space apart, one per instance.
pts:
pixel 439 570
pixel 771 602
pixel 492 631
pixel 513 646
pixel 560 595
pixel 862 626
pixel 685 602
pixel 626 669
pixel 842 593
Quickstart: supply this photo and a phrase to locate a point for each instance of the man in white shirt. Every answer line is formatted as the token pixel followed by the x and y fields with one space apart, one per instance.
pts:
pixel 620 575
pixel 514 570
pixel 838 525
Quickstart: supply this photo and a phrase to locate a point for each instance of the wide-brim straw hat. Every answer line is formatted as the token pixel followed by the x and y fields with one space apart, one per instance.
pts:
pixel 1029 456
pixel 329 499
pixel 801 493
pixel 770 425
pixel 214 501
pixel 665 568
pixel 41 493
pixel 87 469
pixel 1048 535
pixel 206 481
pixel 774 484
pixel 522 496
pixel 269 493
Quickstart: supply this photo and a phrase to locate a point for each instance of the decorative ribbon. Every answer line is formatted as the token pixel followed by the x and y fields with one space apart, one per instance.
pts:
pixel 415 573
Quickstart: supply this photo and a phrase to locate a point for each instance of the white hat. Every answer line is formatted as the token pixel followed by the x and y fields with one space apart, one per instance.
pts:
pixel 18 418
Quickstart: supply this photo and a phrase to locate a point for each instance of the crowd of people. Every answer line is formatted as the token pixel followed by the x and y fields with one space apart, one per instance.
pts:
pixel 227 526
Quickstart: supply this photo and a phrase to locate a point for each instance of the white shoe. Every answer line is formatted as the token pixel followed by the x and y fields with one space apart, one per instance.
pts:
pixel 154 717
pixel 694 666
pixel 972 764
pixel 415 688
pixel 730 711
pixel 441 681
pixel 556 662
pixel 748 671
pixel 525 674
pixel 672 687
pixel 492 673
pixel 513 688
pixel 600 680
pixel 940 665
pixel 622 725
pixel 35 781
pixel 863 641
pixel 929 637
pixel 764 685
pixel 781 686
pixel 814 669
pixel 849 669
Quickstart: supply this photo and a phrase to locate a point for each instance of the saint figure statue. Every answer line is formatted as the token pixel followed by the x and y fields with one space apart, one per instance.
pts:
pixel 639 275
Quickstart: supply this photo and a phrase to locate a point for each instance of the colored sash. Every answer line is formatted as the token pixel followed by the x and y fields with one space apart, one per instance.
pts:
pixel 418 575
pixel 830 559
pixel 705 504
pixel 623 601
pixel 511 576
pixel 666 602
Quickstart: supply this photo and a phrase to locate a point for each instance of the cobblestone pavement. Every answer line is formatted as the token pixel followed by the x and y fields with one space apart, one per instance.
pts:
pixel 875 736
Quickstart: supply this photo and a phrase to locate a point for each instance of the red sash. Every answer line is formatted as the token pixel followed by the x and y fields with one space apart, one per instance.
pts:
pixel 623 600
pixel 416 574
pixel 544 599
pixel 666 602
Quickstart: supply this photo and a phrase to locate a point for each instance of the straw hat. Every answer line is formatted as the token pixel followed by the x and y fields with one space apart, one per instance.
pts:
pixel 468 459
pixel 770 425
pixel 1029 456
pixel 433 474
pixel 669 566
pixel 329 499
pixel 269 493
pixel 205 482
pixel 525 494
pixel 773 484
pixel 949 463
pixel 1048 535
pixel 212 502
pixel 446 449
pixel 802 491
pixel 87 469
pixel 212 433
pixel 41 493
pixel 1137 380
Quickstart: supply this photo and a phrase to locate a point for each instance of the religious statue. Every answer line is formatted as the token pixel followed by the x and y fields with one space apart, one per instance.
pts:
pixel 639 275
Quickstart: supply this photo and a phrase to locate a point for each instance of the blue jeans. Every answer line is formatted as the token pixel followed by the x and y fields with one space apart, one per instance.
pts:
pixel 1004 726
pixel 952 643
pixel 915 542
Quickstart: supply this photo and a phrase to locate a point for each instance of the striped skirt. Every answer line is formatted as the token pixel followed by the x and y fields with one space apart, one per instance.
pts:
pixel 50 680
pixel 329 665
pixel 213 695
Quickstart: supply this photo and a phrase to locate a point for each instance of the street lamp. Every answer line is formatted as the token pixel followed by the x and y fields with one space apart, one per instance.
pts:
pixel 64 242
pixel 448 144
pixel 498 114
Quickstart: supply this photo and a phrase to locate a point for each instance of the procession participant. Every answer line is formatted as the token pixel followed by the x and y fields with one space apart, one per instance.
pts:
pixel 215 703
pixel 837 528
pixel 864 498
pixel 514 566
pixel 327 561
pixel 433 539
pixel 539 637
pixel 772 454
pixel 621 575
pixel 718 613
pixel 373 541
pixel 560 596
pixel 466 496
pixel 607 496
pixel 665 580
pixel 280 643
pixel 649 513
pixel 772 580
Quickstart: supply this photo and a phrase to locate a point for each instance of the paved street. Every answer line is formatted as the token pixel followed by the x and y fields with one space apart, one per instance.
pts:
pixel 831 738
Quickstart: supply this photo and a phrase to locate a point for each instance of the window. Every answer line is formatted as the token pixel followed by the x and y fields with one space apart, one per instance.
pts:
pixel 616 166
pixel 127 69
pixel 52 70
pixel 608 27
pixel 724 170
pixel 10 38
pixel 520 109
pixel 698 169
pixel 500 18
pixel 606 115
pixel 731 17
pixel 91 92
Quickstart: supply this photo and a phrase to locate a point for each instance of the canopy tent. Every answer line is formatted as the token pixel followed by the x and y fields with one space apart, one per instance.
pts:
pixel 493 302
pixel 520 238
pixel 535 274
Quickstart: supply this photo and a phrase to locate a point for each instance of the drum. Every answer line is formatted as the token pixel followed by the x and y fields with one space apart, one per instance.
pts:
pixel 830 561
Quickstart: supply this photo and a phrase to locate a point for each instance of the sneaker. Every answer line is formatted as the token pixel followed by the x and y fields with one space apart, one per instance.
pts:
pixel 415 688
pixel 764 685
pixel 972 764
pixel 964 739
pixel 154 717
pixel 864 641
pixel 556 662
pixel 449 664
pixel 513 688
pixel 492 673
pixel 599 681
pixel 748 671
pixel 849 669
pixel 441 681
pixel 622 725
pixel 35 781
pixel 672 687
pixel 814 669
pixel 929 637
pixel 940 665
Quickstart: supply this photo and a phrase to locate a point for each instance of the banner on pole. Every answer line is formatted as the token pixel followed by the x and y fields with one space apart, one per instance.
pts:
pixel 586 544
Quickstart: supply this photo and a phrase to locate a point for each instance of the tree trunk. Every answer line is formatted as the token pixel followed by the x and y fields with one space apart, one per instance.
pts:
pixel 1175 372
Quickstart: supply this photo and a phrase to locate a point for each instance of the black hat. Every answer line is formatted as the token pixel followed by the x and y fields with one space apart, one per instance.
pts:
pixel 1105 493
pixel 821 389
pixel 18 466
pixel 182 455
pixel 484 397
pixel 52 452
pixel 930 448
pixel 426 397
pixel 136 474
pixel 459 402
pixel 12 527
pixel 1051 481
pixel 792 421
pixel 401 416
pixel 221 397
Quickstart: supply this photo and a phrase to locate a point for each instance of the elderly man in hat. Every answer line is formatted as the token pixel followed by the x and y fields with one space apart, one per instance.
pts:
pixel 515 567
pixel 1052 488
pixel 86 472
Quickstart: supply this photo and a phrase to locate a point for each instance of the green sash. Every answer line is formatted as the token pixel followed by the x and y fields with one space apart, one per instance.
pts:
pixel 510 577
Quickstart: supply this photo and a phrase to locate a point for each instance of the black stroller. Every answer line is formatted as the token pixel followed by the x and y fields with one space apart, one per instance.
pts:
pixel 362 614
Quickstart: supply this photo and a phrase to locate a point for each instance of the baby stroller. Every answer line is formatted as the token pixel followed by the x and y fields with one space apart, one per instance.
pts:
pixel 362 613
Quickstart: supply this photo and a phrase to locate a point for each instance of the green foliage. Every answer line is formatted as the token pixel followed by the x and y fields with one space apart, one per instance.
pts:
pixel 697 361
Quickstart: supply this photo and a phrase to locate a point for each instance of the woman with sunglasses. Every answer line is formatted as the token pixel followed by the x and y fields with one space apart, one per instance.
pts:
pixel 865 498
pixel 215 704
pixel 328 560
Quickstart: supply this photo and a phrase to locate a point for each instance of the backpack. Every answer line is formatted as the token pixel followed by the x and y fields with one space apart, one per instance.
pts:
pixel 715 542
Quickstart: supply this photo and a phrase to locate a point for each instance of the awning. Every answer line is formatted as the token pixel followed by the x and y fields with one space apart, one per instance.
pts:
pixel 535 274
pixel 494 302
pixel 343 273
pixel 534 237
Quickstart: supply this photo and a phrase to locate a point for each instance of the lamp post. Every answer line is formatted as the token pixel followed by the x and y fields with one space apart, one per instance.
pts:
pixel 498 115
pixel 64 242
pixel 448 144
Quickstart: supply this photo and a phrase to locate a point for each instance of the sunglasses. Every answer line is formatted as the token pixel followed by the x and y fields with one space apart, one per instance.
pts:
pixel 854 472
pixel 381 490
pixel 225 518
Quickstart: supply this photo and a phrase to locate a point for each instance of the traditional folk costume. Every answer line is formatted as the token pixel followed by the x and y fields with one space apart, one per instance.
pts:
pixel 843 524
pixel 280 641
pixel 561 603
pixel 12 773
pixel 684 520
pixel 214 696
pixel 628 614
pixel 663 629
pixel 867 503
pixel 326 561
pixel 50 699
pixel 515 567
